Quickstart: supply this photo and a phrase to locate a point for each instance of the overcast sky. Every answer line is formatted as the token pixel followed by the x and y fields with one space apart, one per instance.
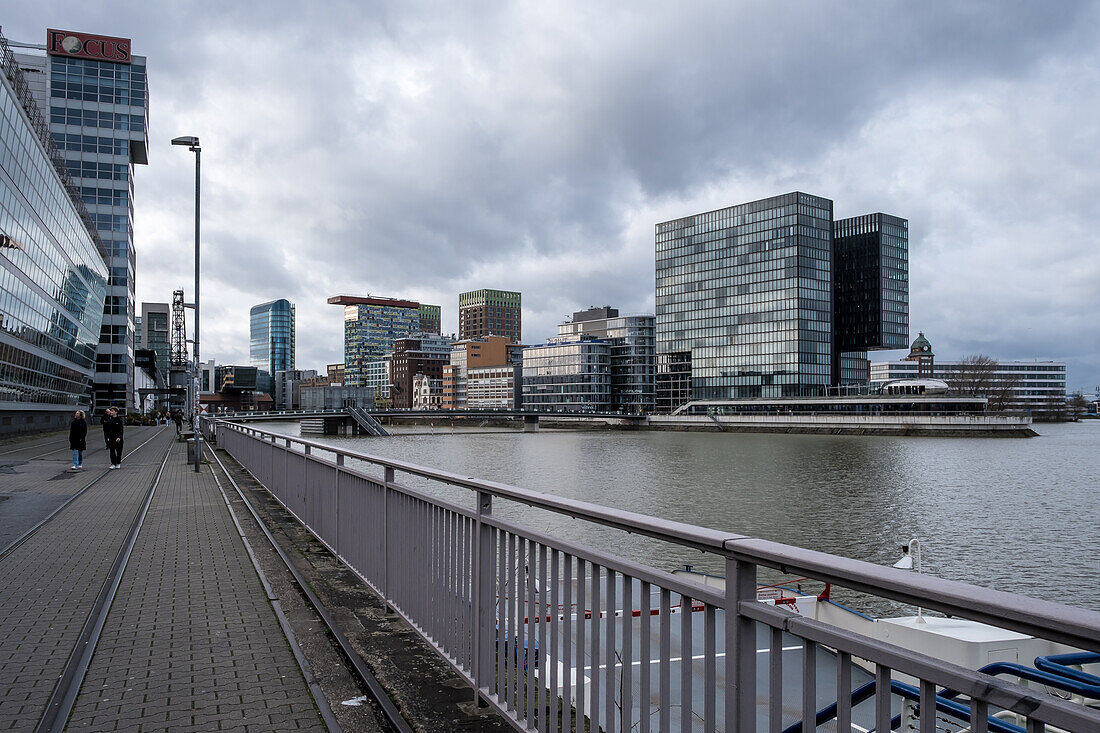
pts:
pixel 421 149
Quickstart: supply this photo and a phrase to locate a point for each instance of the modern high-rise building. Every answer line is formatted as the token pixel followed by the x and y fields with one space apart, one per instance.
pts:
pixel 52 275
pixel 484 313
pixel 747 299
pixel 633 354
pixel 870 292
pixel 371 325
pixel 93 91
pixel 271 340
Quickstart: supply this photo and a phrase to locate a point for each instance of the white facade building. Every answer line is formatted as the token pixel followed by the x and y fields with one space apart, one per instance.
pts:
pixel 1034 386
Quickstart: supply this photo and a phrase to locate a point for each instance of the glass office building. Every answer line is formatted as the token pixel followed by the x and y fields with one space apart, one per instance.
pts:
pixel 568 374
pixel 271 340
pixel 747 291
pixel 747 299
pixel 632 354
pixel 371 325
pixel 96 98
pixel 871 291
pixel 52 276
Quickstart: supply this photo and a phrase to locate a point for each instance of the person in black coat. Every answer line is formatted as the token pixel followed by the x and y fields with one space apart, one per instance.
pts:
pixel 112 435
pixel 78 439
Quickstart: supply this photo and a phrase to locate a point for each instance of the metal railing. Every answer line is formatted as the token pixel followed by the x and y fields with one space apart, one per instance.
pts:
pixel 558 636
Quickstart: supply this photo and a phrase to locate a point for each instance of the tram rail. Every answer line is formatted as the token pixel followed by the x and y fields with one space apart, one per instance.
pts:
pixel 390 716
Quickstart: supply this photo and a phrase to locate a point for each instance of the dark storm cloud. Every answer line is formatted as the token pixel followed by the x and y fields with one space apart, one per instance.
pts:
pixel 421 149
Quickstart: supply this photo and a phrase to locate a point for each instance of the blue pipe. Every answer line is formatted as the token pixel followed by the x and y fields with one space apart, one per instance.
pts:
pixel 1057 664
pixel 1061 681
pixel 948 707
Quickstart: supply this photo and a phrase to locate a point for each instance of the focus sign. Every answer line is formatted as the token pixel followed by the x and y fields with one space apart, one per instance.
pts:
pixel 87 46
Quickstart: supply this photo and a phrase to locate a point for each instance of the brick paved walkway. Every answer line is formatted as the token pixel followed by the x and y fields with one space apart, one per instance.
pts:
pixel 191 642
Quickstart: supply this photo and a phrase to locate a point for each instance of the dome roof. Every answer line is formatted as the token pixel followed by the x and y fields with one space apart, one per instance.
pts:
pixel 921 346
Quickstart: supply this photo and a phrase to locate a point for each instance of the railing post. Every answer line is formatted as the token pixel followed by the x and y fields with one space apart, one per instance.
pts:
pixel 740 648
pixel 336 493
pixel 387 482
pixel 483 598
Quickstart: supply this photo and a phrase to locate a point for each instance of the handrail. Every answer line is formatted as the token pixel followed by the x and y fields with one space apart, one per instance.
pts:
pixel 1075 627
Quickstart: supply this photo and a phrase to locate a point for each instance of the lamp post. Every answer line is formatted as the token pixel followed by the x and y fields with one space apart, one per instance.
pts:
pixel 911 561
pixel 192 144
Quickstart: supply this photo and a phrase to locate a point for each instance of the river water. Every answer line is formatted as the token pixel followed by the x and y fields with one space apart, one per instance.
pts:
pixel 1020 515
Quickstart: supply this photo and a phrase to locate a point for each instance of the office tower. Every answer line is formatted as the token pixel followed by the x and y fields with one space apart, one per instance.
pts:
pixel 52 275
pixel 371 325
pixel 271 340
pixel 93 91
pixel 632 357
pixel 745 299
pixel 871 292
pixel 430 319
pixel 484 313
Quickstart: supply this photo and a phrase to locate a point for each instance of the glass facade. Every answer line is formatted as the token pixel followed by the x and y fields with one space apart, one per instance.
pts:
pixel 568 374
pixel 871 289
pixel 369 332
pixel 774 298
pixel 633 354
pixel 52 277
pixel 98 118
pixel 271 342
pixel 747 291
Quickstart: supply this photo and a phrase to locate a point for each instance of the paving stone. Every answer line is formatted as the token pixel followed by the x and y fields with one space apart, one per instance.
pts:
pixel 190 643
pixel 192 605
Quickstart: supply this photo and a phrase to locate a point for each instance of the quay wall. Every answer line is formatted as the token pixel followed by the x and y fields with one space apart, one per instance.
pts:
pixel 972 426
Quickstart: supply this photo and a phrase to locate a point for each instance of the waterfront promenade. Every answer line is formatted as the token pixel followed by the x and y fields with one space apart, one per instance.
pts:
pixel 132 599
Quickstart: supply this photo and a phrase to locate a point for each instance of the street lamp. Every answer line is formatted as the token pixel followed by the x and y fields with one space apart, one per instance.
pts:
pixel 192 144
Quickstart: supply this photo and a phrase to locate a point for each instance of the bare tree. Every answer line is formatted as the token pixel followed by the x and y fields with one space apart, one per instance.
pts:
pixel 978 374
pixel 974 374
pixel 1078 405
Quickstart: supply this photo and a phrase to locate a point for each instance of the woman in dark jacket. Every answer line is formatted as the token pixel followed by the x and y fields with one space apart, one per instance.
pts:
pixel 112 435
pixel 78 434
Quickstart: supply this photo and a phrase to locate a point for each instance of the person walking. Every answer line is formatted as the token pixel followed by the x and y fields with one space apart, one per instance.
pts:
pixel 78 439
pixel 112 435
pixel 177 418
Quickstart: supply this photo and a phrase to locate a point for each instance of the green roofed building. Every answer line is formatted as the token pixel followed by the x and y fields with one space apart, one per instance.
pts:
pixel 484 313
